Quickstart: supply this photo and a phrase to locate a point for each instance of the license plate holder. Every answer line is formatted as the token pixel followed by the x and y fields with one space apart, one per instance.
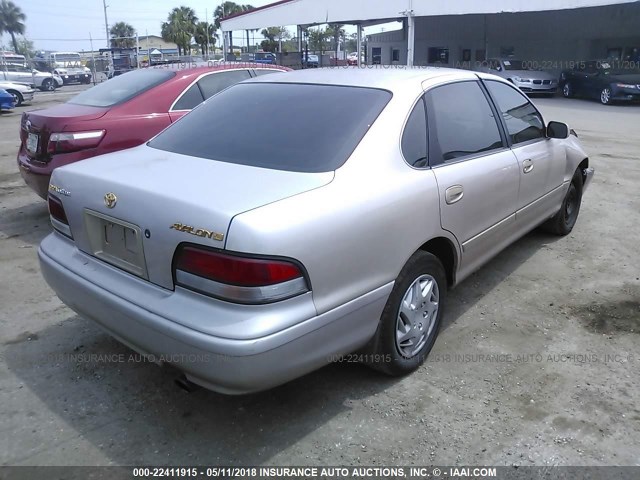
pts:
pixel 116 242
pixel 32 142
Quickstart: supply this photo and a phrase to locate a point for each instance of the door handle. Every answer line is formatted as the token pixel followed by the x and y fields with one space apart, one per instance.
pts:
pixel 527 165
pixel 453 194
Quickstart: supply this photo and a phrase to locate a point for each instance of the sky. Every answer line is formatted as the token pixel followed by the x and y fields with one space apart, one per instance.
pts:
pixel 67 25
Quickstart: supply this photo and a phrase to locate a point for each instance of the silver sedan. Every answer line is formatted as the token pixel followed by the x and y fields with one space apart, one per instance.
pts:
pixel 522 75
pixel 299 217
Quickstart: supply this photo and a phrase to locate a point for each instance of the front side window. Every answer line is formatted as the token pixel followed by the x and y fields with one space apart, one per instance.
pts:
pixel 414 137
pixel 521 118
pixel 216 82
pixel 461 121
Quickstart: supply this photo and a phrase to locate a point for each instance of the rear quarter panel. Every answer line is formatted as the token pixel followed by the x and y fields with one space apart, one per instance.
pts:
pixel 356 233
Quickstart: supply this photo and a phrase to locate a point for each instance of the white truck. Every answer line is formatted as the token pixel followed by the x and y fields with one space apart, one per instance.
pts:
pixel 67 65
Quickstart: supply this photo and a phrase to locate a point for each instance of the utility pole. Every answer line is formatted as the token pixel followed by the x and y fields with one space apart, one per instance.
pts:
pixel 106 23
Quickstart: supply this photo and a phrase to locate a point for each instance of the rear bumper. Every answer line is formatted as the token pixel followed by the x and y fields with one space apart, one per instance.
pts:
pixel 35 176
pixel 227 365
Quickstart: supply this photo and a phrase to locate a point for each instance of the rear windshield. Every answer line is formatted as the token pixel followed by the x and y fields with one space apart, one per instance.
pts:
pixel 282 126
pixel 122 88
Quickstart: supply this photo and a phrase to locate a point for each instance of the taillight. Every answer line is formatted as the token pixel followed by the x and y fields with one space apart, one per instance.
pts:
pixel 74 141
pixel 236 278
pixel 58 216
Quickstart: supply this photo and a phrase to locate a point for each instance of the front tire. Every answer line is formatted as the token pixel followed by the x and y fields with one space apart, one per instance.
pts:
pixel 565 219
pixel 605 96
pixel 411 319
pixel 17 97
pixel 48 85
pixel 567 90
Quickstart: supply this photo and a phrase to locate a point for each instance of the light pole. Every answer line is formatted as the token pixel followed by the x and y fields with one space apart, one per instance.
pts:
pixel 106 23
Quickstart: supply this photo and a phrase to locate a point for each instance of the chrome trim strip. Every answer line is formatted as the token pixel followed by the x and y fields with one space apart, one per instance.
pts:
pixel 538 200
pixel 250 295
pixel 489 230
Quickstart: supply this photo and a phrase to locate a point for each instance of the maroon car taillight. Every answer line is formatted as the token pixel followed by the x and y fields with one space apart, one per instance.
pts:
pixel 74 141
pixel 58 216
pixel 238 279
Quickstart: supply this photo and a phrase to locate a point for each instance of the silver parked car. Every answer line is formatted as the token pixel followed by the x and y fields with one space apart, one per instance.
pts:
pixel 247 261
pixel 40 80
pixel 522 75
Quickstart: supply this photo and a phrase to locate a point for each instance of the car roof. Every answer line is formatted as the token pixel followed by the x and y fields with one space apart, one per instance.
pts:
pixel 199 67
pixel 373 76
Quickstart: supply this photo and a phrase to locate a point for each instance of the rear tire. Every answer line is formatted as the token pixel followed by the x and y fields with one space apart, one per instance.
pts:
pixel 565 219
pixel 411 319
pixel 17 96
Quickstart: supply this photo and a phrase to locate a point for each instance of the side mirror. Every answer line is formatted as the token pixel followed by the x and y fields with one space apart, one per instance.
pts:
pixel 557 130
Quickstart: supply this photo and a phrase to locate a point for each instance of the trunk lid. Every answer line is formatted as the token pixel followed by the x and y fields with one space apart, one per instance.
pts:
pixel 166 199
pixel 55 119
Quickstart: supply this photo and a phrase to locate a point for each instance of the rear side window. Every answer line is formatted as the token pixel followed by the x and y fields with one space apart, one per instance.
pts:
pixel 190 99
pixel 521 118
pixel 414 137
pixel 282 126
pixel 216 82
pixel 122 88
pixel 461 121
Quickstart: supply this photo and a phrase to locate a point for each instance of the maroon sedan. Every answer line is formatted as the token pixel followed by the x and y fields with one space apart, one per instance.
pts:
pixel 123 112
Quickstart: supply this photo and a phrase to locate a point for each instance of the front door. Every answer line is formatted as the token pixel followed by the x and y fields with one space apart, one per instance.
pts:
pixel 540 159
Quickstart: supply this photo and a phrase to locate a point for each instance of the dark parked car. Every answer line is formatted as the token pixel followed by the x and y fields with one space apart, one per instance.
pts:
pixel 607 80
pixel 120 113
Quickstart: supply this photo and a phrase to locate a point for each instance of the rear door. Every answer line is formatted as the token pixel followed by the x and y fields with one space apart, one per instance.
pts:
pixel 206 86
pixel 476 172
pixel 541 161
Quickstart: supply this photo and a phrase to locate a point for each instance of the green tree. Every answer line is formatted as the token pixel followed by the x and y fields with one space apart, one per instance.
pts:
pixel 273 38
pixel 337 34
pixel 119 33
pixel 318 39
pixel 351 43
pixel 11 21
pixel 204 31
pixel 25 47
pixel 179 28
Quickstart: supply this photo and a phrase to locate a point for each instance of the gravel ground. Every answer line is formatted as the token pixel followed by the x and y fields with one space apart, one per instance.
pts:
pixel 536 363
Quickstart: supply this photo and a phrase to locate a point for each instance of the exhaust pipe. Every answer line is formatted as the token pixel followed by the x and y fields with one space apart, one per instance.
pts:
pixel 187 385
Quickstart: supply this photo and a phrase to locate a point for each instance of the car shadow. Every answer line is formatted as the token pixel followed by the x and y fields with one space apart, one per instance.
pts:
pixel 133 413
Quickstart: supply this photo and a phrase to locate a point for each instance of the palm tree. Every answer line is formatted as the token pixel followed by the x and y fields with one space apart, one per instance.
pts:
pixel 205 35
pixel 121 35
pixel 180 27
pixel 226 9
pixel 11 21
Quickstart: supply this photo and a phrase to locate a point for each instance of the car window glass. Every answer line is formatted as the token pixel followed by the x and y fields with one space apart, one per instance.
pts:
pixel 190 99
pixel 216 82
pixel 122 88
pixel 277 125
pixel 461 121
pixel 523 121
pixel 414 137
